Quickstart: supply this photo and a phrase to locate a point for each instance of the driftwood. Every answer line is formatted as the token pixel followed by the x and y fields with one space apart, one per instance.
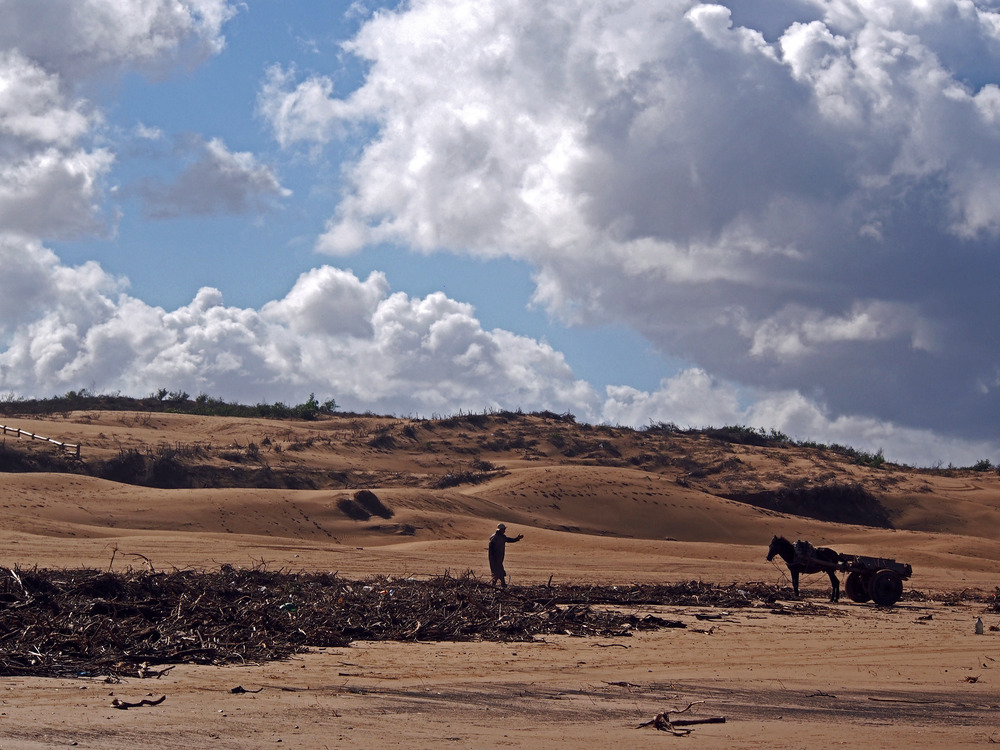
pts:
pixel 125 705
pixel 145 671
pixel 68 623
pixel 678 727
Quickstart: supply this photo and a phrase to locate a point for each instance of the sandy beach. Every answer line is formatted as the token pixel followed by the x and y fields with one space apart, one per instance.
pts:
pixel 806 674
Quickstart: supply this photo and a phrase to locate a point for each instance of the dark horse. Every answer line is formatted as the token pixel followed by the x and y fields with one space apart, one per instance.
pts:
pixel 802 557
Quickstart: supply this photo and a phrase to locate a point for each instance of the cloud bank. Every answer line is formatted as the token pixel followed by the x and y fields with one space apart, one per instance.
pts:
pixel 54 153
pixel 332 334
pixel 78 39
pixel 337 335
pixel 799 198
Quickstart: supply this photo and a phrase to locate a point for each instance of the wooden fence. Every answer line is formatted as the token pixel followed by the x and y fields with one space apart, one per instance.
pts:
pixel 72 448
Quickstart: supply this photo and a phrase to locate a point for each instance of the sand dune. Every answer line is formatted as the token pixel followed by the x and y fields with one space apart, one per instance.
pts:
pixel 595 505
pixel 624 494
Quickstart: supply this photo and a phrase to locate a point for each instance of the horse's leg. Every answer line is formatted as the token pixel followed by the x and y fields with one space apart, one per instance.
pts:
pixel 835 583
pixel 795 581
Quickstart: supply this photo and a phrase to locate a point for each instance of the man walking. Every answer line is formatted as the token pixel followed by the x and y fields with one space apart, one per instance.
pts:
pixel 497 548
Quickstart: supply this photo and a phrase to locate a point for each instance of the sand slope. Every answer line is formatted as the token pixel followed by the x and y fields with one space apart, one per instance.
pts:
pixel 594 504
pixel 591 501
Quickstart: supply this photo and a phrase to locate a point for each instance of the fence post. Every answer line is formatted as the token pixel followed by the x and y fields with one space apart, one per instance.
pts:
pixel 4 429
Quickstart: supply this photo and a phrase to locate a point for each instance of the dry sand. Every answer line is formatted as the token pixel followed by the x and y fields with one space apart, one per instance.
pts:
pixel 915 675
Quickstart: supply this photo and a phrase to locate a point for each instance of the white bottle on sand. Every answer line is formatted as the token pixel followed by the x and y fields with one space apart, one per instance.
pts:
pixel 979 626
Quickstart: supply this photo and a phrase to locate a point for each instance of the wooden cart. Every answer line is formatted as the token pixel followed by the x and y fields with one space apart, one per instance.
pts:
pixel 876 579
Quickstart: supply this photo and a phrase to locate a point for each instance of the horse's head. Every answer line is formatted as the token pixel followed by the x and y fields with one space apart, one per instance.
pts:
pixel 772 550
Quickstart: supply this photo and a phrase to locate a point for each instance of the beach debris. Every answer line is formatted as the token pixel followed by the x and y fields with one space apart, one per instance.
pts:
pixel 125 705
pixel 679 727
pixel 68 623
pixel 145 671
pixel 627 685
pixel 711 616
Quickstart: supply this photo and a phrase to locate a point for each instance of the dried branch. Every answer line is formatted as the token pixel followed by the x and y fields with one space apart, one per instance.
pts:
pixel 66 623
pixel 678 727
pixel 125 705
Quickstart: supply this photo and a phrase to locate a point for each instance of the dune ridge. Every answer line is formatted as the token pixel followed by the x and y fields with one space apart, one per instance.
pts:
pixel 159 492
pixel 662 501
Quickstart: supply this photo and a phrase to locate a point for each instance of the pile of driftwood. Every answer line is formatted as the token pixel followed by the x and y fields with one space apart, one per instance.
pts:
pixel 94 623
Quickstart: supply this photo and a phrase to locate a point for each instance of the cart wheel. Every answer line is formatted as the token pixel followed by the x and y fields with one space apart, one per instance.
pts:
pixel 885 588
pixel 856 587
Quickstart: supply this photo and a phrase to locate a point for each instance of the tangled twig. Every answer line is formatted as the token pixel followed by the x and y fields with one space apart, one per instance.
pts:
pixel 679 727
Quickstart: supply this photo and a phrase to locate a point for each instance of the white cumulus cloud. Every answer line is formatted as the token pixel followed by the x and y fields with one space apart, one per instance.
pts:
pixel 798 197
pixel 54 159
pixel 72 327
pixel 33 107
pixel 77 38
pixel 214 181
pixel 693 399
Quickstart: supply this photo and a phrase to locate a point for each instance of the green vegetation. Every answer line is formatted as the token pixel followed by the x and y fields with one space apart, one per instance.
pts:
pixel 863 458
pixel 734 434
pixel 743 435
pixel 176 402
pixel 559 434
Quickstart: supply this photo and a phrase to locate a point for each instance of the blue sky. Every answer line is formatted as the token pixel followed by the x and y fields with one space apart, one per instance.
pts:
pixel 252 260
pixel 783 215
